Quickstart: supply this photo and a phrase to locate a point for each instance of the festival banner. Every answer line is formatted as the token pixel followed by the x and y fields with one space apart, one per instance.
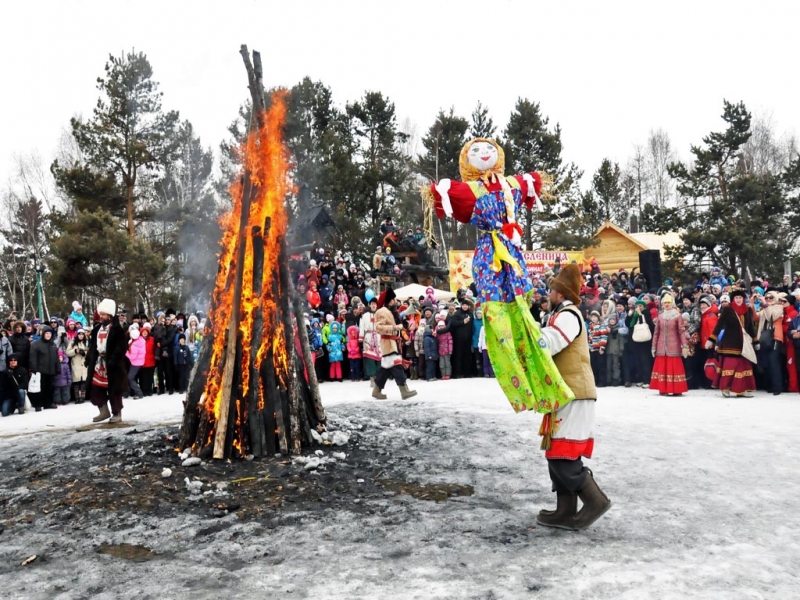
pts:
pixel 537 262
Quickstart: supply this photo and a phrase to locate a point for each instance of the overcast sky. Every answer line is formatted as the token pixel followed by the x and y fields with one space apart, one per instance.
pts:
pixel 608 72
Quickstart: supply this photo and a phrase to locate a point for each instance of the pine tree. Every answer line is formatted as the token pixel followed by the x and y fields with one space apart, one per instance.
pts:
pixel 129 134
pixel 482 125
pixel 607 187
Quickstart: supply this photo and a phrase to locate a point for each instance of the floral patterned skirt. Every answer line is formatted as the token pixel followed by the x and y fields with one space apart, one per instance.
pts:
pixel 521 360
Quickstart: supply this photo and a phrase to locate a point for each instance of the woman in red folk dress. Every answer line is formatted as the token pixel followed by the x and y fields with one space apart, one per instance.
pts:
pixel 670 344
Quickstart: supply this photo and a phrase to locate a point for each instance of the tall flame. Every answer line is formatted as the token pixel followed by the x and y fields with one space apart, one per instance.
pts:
pixel 266 164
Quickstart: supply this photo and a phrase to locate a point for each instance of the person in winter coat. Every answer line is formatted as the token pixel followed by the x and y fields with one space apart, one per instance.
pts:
pixel 150 360
pixel 770 341
pixel 14 381
pixel 789 314
pixel 44 361
pixel 326 292
pixel 184 361
pixel 597 333
pixel 717 278
pixel 6 350
pixel 72 329
pixel 340 297
pixel 431 352
pixel 62 381
pixel 370 341
pixel 460 327
pixel 670 346
pixel 21 343
pixel 76 351
pixel 641 349
pixel 354 353
pixel 709 315
pixel 735 372
pixel 419 346
pixel 313 297
pixel 477 327
pixel 194 335
pixel 77 314
pixel 106 364
pixel 613 352
pixel 487 369
pixel 445 340
pixel 336 346
pixel 387 325
pixel 137 351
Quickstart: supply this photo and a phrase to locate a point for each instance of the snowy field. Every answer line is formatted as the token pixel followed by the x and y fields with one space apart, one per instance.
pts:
pixel 705 492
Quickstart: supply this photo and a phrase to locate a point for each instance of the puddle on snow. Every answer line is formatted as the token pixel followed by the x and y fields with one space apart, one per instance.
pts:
pixel 132 552
pixel 436 492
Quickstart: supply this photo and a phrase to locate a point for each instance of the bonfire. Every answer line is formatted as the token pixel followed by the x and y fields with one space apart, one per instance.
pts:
pixel 253 390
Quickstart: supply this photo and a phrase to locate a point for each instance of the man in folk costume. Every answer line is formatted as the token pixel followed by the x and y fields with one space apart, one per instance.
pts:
pixel 522 355
pixel 573 424
pixel 106 364
pixel 391 359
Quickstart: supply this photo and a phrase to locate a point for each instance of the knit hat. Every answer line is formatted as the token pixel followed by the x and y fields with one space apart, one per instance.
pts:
pixel 329 318
pixel 80 330
pixel 724 298
pixel 641 303
pixel 107 307
pixel 594 313
pixel 568 283
pixel 133 326
pixel 146 325
pixel 706 300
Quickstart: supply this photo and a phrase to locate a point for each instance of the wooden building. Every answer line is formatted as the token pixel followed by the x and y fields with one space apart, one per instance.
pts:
pixel 618 249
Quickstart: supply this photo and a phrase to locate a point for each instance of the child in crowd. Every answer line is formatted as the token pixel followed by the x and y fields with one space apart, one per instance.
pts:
pixel 488 371
pixel 354 353
pixel 419 347
pixel 62 381
pixel 613 352
pixel 431 352
pixel 335 351
pixel 445 340
pixel 76 350
pixel 183 363
pixel 598 339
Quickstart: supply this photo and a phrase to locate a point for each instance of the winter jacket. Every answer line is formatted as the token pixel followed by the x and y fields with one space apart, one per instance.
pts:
pixel 116 363
pixel 183 355
pixel 340 298
pixel 477 326
pixel 326 295
pixel 15 379
pixel 63 378
pixel 385 326
pixel 21 345
pixel 369 337
pixel 76 351
pixel 6 350
pixel 597 336
pixel 670 334
pixel 353 346
pixel 335 344
pixel 149 351
pixel 445 340
pixel 419 341
pixel 44 356
pixel 431 345
pixel 708 321
pixel 719 280
pixel 615 341
pixel 315 335
pixel 137 351
pixel 314 299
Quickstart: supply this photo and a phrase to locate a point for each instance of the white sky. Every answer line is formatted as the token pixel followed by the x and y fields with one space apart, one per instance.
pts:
pixel 609 72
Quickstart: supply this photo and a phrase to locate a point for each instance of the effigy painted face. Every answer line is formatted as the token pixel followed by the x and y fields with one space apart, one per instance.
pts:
pixel 482 155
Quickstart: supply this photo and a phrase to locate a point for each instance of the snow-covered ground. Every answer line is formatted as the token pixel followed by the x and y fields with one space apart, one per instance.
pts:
pixel 705 492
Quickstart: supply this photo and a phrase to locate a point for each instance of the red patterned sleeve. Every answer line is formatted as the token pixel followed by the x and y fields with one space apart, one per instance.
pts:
pixel 525 181
pixel 462 199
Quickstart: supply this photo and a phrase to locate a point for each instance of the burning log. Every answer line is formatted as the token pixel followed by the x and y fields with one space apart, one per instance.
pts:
pixel 253 389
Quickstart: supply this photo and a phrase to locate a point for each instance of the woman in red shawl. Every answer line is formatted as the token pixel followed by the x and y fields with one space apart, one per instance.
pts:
pixel 789 313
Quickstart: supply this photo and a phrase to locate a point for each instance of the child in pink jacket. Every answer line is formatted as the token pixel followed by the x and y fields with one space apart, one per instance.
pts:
pixel 137 348
pixel 354 353
pixel 445 340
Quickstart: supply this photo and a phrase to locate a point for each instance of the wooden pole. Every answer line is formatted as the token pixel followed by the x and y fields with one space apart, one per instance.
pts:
pixel 313 383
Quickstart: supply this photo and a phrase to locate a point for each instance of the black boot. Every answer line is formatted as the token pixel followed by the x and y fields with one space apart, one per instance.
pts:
pixel 595 503
pixel 563 517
